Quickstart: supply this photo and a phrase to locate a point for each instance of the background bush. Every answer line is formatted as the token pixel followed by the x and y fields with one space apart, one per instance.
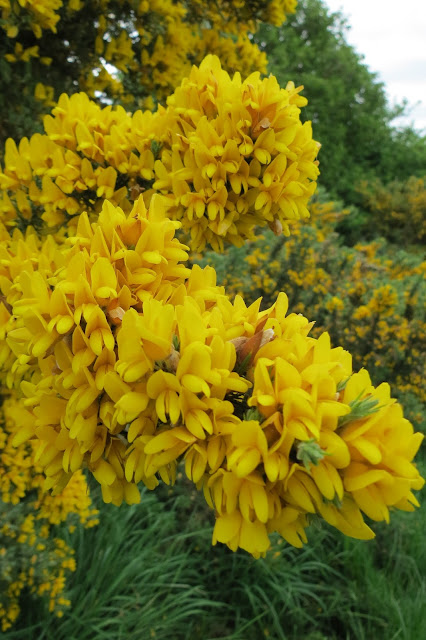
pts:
pixel 369 297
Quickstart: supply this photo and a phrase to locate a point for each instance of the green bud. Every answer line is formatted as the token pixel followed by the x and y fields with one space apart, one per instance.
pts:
pixel 309 452
pixel 360 408
pixel 342 384
pixel 253 414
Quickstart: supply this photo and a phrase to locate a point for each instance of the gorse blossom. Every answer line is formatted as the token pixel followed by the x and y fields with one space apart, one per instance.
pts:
pixel 228 155
pixel 129 362
pixel 151 43
pixel 368 297
pixel 31 557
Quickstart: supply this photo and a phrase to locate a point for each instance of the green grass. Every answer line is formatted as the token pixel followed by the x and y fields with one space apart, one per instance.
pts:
pixel 149 571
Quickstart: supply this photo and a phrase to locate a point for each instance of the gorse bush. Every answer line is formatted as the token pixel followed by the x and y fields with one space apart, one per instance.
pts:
pixel 370 298
pixel 121 358
pixel 396 211
pixel 32 557
pixel 228 155
pixel 129 361
pixel 129 51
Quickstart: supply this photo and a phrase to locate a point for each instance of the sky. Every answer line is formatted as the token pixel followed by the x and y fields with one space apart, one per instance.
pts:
pixel 392 37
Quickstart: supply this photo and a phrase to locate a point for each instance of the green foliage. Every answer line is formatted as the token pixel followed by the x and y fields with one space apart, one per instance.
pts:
pixel 31 559
pixel 68 47
pixel 152 573
pixel 396 211
pixel 348 105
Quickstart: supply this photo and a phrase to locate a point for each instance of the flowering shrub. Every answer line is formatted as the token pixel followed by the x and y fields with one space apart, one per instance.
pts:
pixel 227 154
pixel 32 557
pixel 119 357
pixel 370 297
pixel 131 51
pixel 397 211
pixel 122 359
pixel 129 362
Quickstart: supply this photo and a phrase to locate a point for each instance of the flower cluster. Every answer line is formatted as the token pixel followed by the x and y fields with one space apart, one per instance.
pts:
pixel 229 155
pixel 31 557
pixel 130 362
pixel 35 15
pixel 130 52
pixel 369 297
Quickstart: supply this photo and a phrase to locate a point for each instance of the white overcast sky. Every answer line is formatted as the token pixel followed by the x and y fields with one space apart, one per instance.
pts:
pixel 392 37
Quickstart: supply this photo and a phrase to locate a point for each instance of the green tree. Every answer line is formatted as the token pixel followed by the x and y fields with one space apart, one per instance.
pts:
pixel 348 105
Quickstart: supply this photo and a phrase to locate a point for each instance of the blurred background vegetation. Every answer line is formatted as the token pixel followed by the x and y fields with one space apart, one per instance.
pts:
pixel 357 268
